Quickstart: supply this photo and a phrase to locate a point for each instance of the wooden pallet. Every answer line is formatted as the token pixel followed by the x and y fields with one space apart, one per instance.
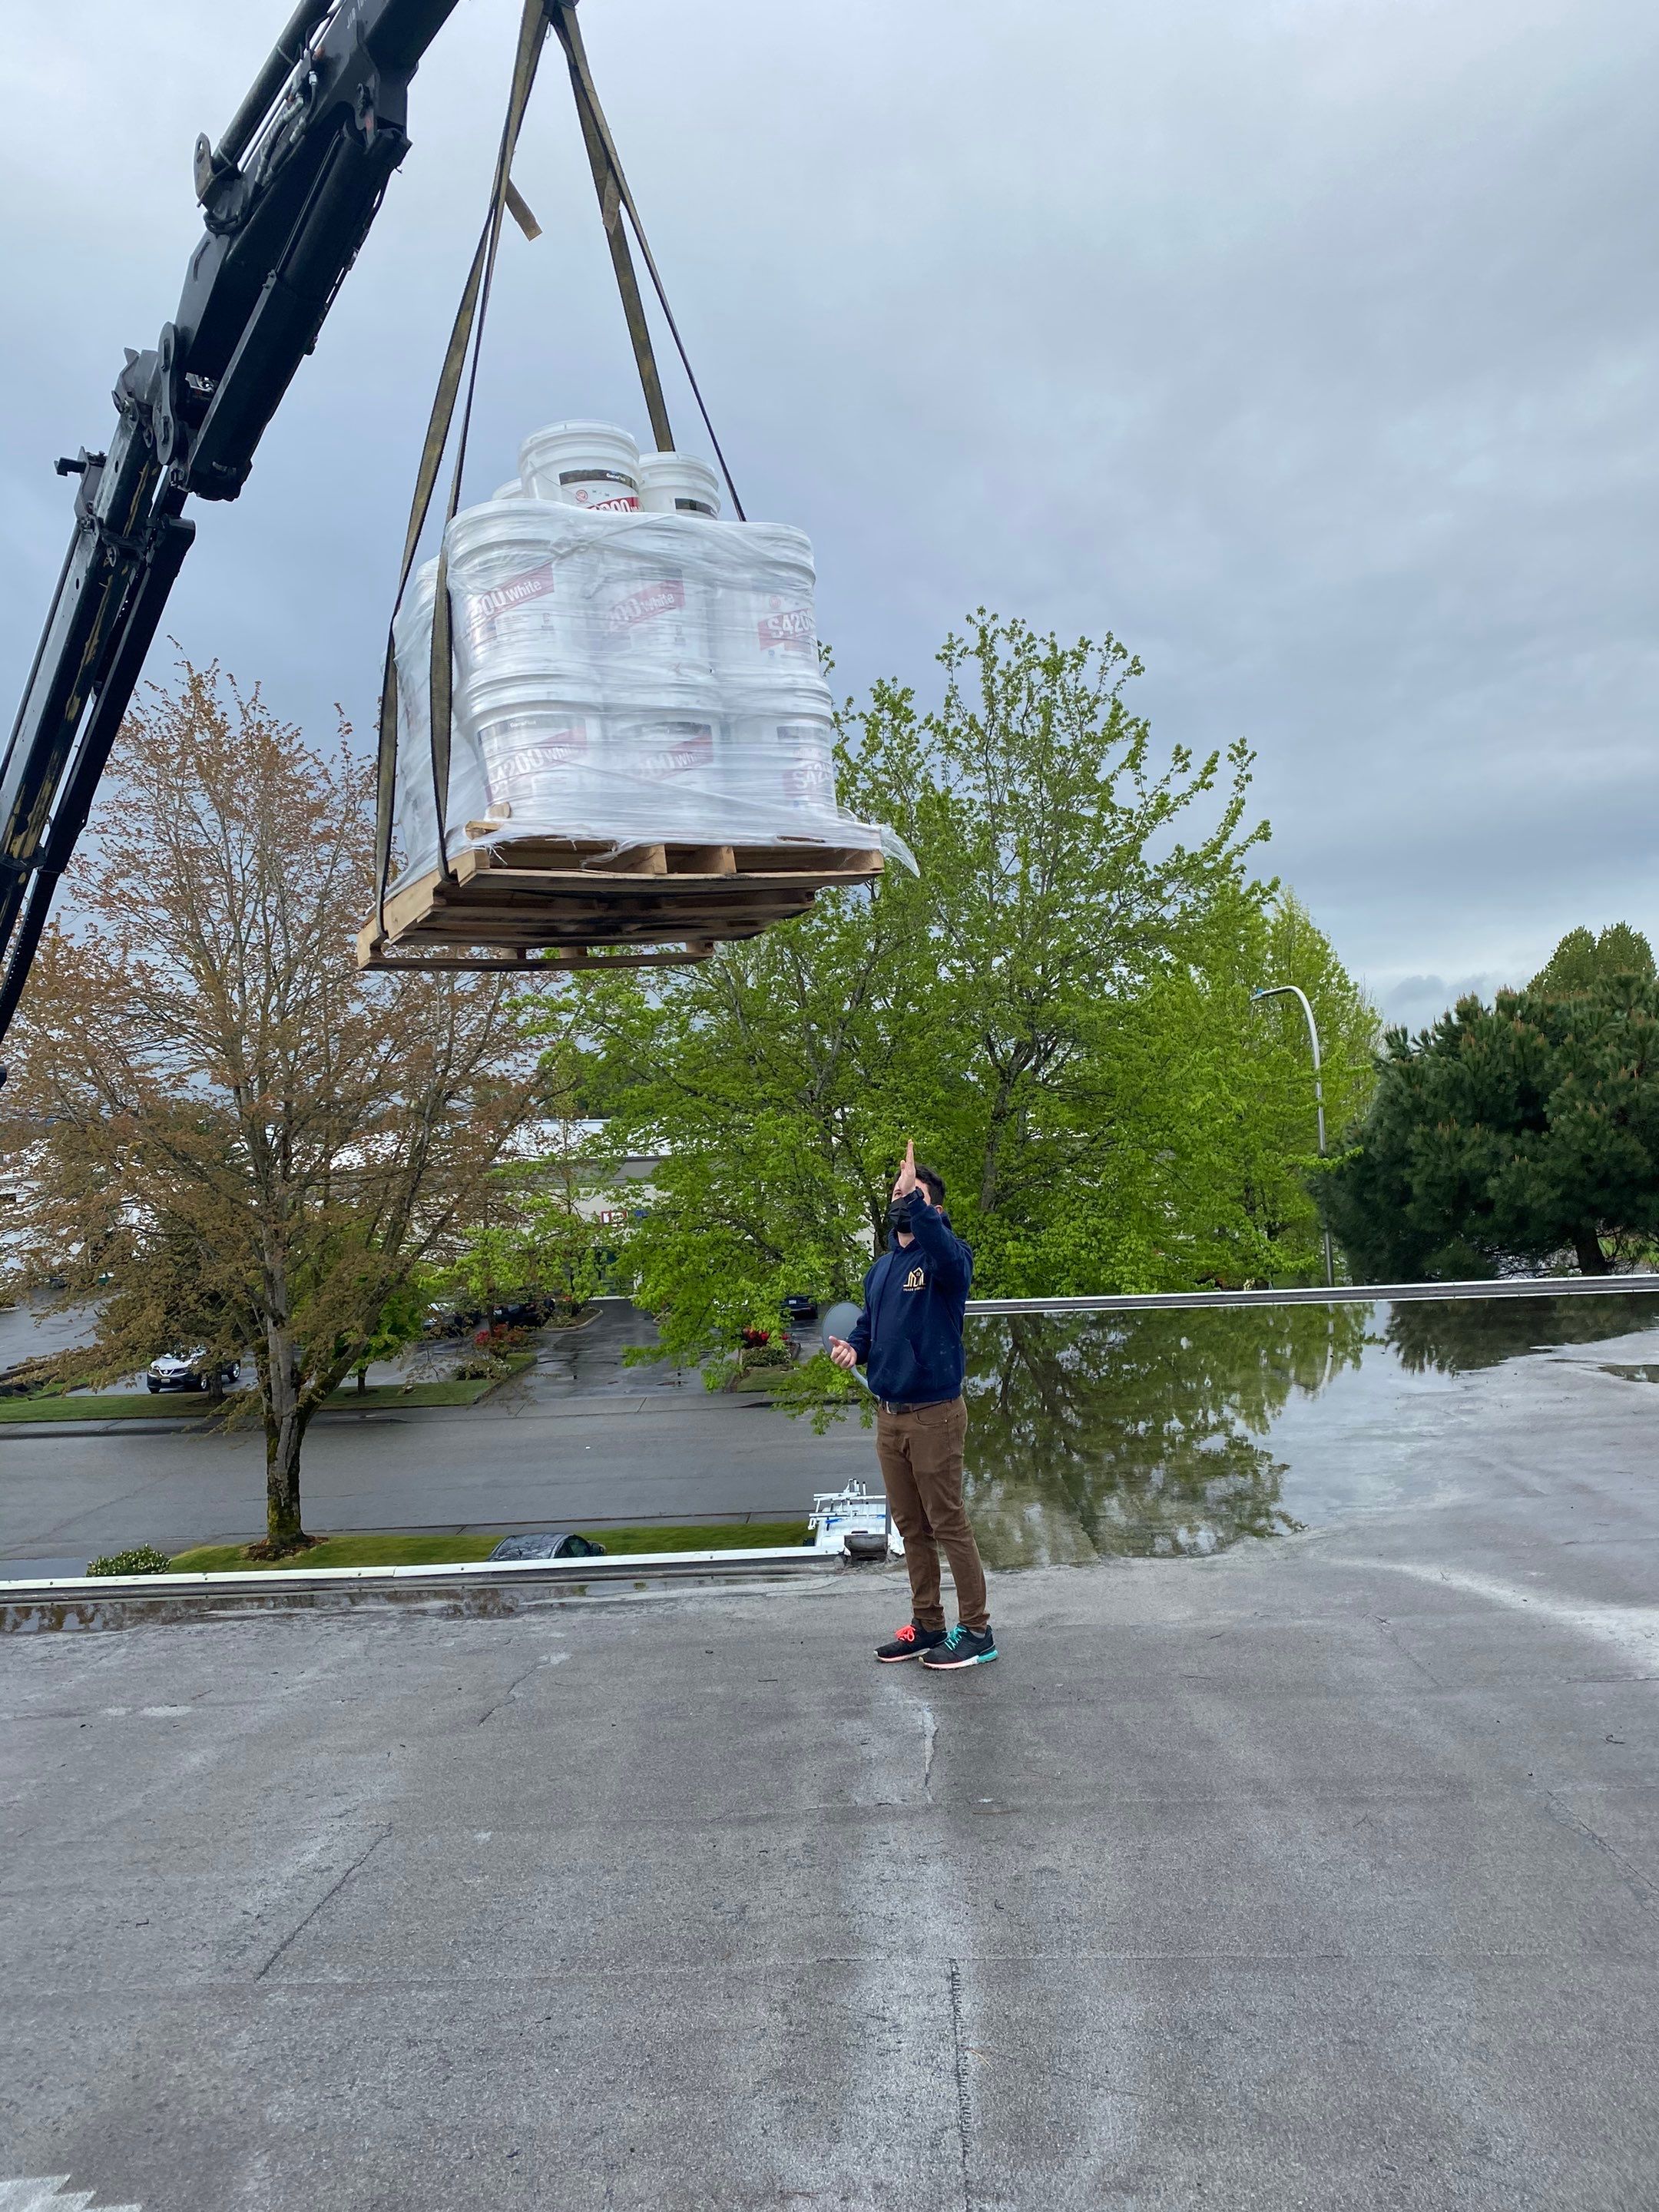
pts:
pixel 579 902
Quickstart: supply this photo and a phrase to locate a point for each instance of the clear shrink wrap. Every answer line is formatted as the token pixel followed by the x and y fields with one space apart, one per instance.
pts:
pixel 622 674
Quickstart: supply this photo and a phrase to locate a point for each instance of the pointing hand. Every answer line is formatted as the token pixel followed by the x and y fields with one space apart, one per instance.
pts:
pixel 842 1353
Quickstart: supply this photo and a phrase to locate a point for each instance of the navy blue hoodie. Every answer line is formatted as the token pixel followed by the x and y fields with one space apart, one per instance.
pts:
pixel 909 1337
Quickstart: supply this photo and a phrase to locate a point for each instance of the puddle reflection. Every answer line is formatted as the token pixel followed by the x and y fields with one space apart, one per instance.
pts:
pixel 1150 1435
pixel 1464 1334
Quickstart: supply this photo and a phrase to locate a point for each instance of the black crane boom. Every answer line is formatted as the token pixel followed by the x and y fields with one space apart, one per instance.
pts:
pixel 287 196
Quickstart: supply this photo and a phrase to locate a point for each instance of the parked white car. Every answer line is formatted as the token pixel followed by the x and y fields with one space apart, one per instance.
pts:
pixel 190 1370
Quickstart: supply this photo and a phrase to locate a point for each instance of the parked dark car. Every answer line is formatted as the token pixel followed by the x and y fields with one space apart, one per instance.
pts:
pixel 548 1544
pixel 798 1310
pixel 443 1321
pixel 190 1370
pixel 522 1313
pixel 448 1320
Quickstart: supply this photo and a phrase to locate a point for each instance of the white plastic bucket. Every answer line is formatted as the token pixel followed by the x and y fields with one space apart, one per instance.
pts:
pixel 415 816
pixel 558 767
pixel 515 597
pixel 765 623
pixel 785 769
pixel 665 775
pixel 678 483
pixel 513 490
pixel 590 464
pixel 536 752
pixel 650 609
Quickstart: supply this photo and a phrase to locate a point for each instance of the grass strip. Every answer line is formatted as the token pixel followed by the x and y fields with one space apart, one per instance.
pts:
pixel 154 1405
pixel 104 1406
pixel 372 1547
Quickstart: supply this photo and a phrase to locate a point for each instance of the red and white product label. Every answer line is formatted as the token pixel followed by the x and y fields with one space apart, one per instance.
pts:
pixel 808 783
pixel 531 598
pixel 604 491
pixel 808 777
pixel 787 629
pixel 534 584
pixel 664 595
pixel 693 750
pixel 516 752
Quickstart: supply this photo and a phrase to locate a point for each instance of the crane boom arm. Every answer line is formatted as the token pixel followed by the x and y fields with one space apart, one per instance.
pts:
pixel 288 196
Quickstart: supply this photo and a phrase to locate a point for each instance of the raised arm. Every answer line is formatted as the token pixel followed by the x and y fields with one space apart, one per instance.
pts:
pixel 953 1263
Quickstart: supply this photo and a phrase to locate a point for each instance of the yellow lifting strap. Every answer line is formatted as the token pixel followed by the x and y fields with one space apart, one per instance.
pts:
pixel 469 316
pixel 615 200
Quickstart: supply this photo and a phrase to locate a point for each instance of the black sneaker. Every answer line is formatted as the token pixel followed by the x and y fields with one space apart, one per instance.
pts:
pixel 912 1640
pixel 962 1647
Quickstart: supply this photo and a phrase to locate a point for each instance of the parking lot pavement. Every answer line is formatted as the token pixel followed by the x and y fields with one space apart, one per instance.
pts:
pixel 1320 1874
pixel 617 1461
pixel 583 1438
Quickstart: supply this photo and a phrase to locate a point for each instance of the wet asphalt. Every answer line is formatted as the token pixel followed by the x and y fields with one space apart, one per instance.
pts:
pixel 582 1440
pixel 1320 1872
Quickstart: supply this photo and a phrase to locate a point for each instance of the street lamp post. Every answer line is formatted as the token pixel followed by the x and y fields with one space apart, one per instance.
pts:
pixel 1295 991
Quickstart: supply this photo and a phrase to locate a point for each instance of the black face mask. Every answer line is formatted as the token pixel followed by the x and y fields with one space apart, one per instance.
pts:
pixel 898 1213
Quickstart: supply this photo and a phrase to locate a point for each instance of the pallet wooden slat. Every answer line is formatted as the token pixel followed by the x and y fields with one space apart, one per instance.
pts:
pixel 572 895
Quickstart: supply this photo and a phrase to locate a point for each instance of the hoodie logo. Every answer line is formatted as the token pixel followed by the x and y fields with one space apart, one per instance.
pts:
pixel 915 1279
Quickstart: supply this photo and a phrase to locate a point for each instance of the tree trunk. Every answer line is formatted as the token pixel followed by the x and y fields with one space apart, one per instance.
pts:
pixel 285 1433
pixel 362 1378
pixel 1592 1260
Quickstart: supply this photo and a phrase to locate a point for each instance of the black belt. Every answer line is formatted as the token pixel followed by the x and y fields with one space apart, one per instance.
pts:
pixel 920 1405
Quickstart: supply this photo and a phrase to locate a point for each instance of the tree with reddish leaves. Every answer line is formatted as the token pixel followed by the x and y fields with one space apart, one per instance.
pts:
pixel 233 1136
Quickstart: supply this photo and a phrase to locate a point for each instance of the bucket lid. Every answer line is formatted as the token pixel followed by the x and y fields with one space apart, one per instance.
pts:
pixel 572 448
pixel 678 483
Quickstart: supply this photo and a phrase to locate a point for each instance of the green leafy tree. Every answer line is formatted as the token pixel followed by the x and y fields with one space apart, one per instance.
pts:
pixel 1510 1135
pixel 401 1319
pixel 538 1239
pixel 1064 864
pixel 1057 1010
pixel 1195 1135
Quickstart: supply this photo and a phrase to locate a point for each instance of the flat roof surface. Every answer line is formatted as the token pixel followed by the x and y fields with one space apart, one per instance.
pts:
pixel 1321 1872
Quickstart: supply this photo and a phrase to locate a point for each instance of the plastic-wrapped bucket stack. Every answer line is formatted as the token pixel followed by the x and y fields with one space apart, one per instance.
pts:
pixel 627 665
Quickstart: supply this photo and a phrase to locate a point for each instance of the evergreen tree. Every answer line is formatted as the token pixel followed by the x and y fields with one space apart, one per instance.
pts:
pixel 1581 960
pixel 1509 1135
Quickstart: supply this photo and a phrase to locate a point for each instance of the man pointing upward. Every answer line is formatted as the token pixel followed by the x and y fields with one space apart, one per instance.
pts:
pixel 909 1338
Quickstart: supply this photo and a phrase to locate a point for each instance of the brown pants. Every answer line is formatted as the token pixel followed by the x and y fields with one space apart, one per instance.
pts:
pixel 921 1456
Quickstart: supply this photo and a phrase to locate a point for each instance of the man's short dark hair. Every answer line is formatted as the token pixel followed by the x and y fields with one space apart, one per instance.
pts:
pixel 935 1182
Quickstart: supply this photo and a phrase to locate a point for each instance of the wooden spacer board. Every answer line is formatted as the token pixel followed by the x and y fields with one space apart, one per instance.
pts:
pixel 574 898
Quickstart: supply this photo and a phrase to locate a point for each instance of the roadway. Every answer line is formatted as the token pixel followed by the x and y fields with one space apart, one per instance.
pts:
pixel 582 1440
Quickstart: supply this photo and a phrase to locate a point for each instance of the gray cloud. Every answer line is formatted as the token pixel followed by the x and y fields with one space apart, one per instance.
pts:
pixel 1309 347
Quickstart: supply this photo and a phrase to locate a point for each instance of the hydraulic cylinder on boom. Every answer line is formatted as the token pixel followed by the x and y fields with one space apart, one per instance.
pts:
pixel 287 195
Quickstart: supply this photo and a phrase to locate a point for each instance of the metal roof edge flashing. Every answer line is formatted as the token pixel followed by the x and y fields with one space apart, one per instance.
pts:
pixel 1504 1286
pixel 115 1601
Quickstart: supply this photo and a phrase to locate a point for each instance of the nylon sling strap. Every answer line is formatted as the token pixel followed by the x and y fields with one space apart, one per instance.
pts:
pixel 469 320
pixel 627 284
pixel 615 197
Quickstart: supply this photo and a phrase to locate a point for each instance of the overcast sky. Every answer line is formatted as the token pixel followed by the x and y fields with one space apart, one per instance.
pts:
pixel 1308 345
